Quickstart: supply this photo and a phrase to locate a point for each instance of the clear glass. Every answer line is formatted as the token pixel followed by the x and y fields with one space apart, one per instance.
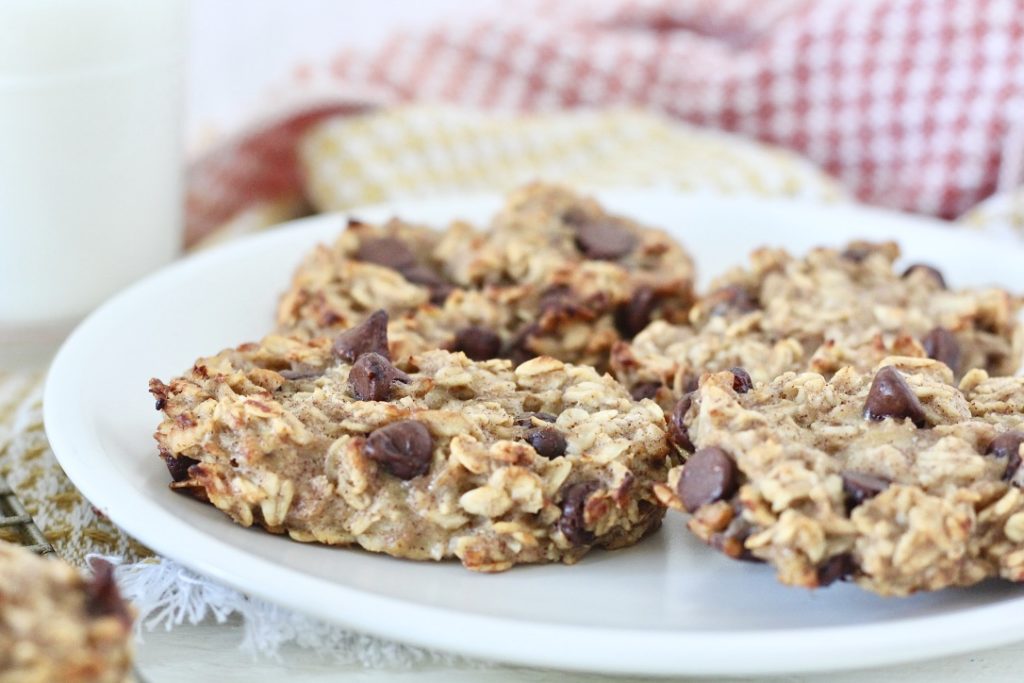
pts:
pixel 90 159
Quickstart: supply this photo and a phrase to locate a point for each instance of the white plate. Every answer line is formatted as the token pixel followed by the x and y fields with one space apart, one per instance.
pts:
pixel 668 606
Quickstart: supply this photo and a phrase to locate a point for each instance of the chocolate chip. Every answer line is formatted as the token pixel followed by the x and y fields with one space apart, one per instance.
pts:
pixel 1007 445
pixel 478 343
pixel 730 298
pixel 301 373
pixel 440 293
pixel 709 475
pixel 547 441
pixel 404 448
pixel 572 523
pixel 369 336
pixel 518 349
pixel 160 391
pixel 372 376
pixel 860 486
pixel 634 315
pixel 604 239
pixel 556 299
pixel 527 419
pixel 891 396
pixel 857 253
pixel 941 344
pixel 389 252
pixel 102 598
pixel 732 540
pixel 644 390
pixel 425 277
pixel 420 274
pixel 741 382
pixel 931 270
pixel 677 428
pixel 178 466
pixel 836 568
pixel 575 216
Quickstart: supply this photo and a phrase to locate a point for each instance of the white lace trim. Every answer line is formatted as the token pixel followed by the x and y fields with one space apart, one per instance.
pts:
pixel 168 595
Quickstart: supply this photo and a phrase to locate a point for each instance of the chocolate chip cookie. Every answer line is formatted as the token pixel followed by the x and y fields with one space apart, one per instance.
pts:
pixel 828 310
pixel 554 275
pixel 57 626
pixel 614 269
pixel 427 457
pixel 894 479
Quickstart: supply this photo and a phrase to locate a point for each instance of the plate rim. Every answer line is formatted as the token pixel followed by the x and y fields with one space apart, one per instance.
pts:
pixel 518 641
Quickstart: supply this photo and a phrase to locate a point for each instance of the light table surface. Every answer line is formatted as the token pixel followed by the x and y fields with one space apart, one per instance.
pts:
pixel 209 652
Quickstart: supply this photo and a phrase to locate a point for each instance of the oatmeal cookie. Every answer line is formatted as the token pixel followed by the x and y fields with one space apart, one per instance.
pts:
pixel 57 626
pixel 828 310
pixel 432 457
pixel 894 479
pixel 555 275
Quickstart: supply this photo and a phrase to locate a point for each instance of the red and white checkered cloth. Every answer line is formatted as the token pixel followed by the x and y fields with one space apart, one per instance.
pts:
pixel 911 104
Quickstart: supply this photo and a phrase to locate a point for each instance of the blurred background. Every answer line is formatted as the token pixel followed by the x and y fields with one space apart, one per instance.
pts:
pixel 129 130
pixel 912 105
pixel 222 97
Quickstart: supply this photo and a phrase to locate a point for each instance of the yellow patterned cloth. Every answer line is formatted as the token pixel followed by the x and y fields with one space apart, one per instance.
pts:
pixel 419 152
pixel 70 523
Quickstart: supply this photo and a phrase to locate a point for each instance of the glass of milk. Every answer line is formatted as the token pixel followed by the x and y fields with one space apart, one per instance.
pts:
pixel 90 159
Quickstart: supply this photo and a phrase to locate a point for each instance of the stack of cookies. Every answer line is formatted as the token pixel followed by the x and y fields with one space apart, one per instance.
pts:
pixel 553 384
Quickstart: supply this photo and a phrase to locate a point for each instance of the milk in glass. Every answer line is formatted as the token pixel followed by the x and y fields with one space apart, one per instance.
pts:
pixel 90 158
